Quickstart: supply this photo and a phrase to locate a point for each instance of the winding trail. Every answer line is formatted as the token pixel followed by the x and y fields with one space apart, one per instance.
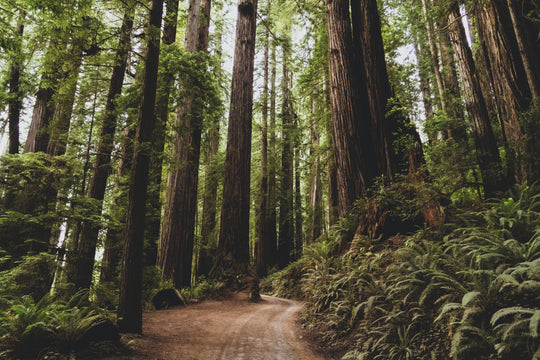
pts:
pixel 233 329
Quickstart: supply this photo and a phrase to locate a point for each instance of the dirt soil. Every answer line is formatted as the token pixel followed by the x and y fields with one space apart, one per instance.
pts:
pixel 232 329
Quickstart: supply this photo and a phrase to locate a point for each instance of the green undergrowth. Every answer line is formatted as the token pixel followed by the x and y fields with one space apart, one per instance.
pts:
pixel 469 289
pixel 54 329
pixel 204 290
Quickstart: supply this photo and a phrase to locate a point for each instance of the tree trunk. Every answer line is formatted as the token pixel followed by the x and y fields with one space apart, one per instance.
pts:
pixel 286 198
pixel 178 230
pixel 369 50
pixel 15 94
pixel 263 252
pixel 130 304
pixel 298 217
pixel 351 134
pixel 38 137
pixel 165 83
pixel 525 41
pixel 434 53
pixel 232 262
pixel 425 87
pixel 509 80
pixel 102 166
pixel 211 179
pixel 333 201
pixel 486 147
pixel 314 197
pixel 271 220
pixel 63 109
pixel 112 249
pixel 452 94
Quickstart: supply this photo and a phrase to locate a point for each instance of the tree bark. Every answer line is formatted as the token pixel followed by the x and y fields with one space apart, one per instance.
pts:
pixel 112 249
pixel 271 220
pixel 369 49
pixel 525 41
pixel 211 179
pixel 263 250
pixel 63 109
pixel 232 262
pixel 452 93
pixel 178 230
pixel 486 147
pixel 509 80
pixel 165 83
pixel 351 134
pixel 102 166
pixel 298 209
pixel 425 86
pixel 130 302
pixel 286 198
pixel 315 193
pixel 15 96
pixel 434 53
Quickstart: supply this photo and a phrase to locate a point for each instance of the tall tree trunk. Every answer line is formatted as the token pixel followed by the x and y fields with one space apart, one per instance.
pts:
pixel 434 53
pixel 102 166
pixel 333 197
pixel 263 252
pixel 112 249
pixel 165 83
pixel 298 210
pixel 351 134
pixel 510 83
pixel 15 95
pixel 271 220
pixel 486 147
pixel 63 109
pixel 38 137
pixel 286 198
pixel 178 229
pixel 525 40
pixel 232 262
pixel 314 198
pixel 130 302
pixel 452 94
pixel 211 178
pixel 369 51
pixel 425 86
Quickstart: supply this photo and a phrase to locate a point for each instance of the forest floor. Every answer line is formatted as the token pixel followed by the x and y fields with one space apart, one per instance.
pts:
pixel 231 329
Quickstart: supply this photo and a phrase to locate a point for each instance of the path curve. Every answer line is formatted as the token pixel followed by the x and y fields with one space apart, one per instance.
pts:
pixel 233 329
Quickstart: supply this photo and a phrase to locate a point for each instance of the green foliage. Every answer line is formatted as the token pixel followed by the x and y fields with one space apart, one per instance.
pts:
pixel 32 276
pixel 28 328
pixel 204 290
pixel 468 291
pixel 30 184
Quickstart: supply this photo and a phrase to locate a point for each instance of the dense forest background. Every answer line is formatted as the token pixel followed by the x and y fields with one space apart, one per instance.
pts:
pixel 377 159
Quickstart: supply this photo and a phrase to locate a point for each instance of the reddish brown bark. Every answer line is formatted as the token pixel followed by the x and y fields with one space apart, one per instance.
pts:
pixel 15 95
pixel 509 80
pixel 486 147
pixel 178 230
pixel 263 250
pixel 351 139
pixel 130 302
pixel 102 165
pixel 232 262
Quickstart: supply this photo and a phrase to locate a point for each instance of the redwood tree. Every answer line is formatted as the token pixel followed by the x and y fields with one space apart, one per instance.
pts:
pixel 486 147
pixel 130 302
pixel 232 262
pixel 351 134
pixel 102 165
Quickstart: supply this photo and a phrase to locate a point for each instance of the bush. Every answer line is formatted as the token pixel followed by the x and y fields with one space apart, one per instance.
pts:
pixel 467 291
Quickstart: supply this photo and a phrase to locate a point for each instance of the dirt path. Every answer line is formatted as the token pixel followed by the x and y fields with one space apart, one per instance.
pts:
pixel 232 329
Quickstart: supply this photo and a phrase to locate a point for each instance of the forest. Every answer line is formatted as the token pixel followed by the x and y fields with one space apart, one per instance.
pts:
pixel 377 160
